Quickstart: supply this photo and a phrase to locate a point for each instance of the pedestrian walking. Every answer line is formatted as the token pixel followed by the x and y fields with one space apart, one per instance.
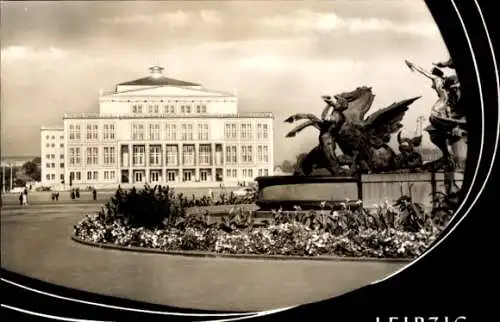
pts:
pixel 21 199
pixel 53 196
pixel 57 196
pixel 25 199
pixel 77 193
pixel 94 194
pixel 72 194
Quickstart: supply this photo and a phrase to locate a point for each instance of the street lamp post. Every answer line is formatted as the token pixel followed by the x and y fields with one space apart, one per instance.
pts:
pixel 10 164
pixel 3 178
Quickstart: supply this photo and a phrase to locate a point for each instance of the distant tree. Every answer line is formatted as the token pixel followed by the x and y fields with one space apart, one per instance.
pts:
pixel 298 161
pixel 32 169
pixel 19 182
pixel 286 166
pixel 7 175
pixel 37 160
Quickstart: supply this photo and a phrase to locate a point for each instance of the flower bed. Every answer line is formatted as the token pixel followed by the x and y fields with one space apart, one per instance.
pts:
pixel 157 219
pixel 281 239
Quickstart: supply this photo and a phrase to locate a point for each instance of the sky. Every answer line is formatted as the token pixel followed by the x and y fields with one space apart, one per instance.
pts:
pixel 276 56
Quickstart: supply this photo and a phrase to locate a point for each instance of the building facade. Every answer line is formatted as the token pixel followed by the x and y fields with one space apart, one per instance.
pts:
pixel 159 130
pixel 52 158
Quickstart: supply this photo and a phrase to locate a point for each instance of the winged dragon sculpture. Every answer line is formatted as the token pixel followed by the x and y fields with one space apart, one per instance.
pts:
pixel 363 140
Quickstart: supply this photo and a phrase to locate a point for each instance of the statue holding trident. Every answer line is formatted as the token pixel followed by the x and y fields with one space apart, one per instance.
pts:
pixel 448 125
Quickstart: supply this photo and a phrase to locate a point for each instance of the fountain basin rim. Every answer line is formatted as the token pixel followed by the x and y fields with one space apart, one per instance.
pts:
pixel 188 253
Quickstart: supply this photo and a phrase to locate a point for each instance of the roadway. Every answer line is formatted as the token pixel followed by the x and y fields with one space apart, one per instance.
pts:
pixel 35 241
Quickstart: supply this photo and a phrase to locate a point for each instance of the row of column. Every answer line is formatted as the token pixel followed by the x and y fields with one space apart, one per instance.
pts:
pixel 216 158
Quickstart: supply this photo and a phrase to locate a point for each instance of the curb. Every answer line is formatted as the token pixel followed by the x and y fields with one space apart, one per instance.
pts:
pixel 188 253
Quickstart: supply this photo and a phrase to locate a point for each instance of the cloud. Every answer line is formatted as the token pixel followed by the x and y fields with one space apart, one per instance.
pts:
pixel 306 20
pixel 174 19
pixel 16 53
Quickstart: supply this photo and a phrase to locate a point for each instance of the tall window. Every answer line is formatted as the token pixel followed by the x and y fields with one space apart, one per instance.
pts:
pixel 188 154
pixel 248 173
pixel 203 132
pixel 187 132
pixel 109 175
pixel 169 109
pixel 109 155
pixel 92 131
pixel 233 131
pixel 108 132
pixel 204 155
pixel 172 154
pixel 231 173
pixel 92 155
pixel 262 153
pixel 205 174
pixel 246 153
pixel 74 156
pixel 137 108
pixel 187 175
pixel 171 175
pixel 230 131
pixel 262 131
pixel 138 155
pixel 231 154
pixel 92 175
pixel 246 131
pixel 74 132
pixel 155 155
pixel 75 175
pixel 154 132
pixel 154 108
pixel 138 131
pixel 171 130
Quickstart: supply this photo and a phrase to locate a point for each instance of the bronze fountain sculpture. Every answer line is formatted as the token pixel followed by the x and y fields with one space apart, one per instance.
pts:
pixel 448 127
pixel 362 140
pixel 326 175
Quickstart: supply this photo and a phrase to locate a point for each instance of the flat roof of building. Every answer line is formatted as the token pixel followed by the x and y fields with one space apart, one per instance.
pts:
pixel 52 128
pixel 166 116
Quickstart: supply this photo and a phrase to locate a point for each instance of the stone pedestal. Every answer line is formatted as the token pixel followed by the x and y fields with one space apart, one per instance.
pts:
pixel 459 152
pixel 308 192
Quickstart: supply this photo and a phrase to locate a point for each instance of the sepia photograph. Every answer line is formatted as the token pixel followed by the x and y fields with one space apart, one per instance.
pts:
pixel 234 156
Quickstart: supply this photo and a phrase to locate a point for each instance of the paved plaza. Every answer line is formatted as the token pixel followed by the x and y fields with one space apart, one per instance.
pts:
pixel 35 241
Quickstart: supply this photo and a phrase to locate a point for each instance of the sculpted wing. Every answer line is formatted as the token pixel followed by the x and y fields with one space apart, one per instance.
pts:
pixel 387 121
pixel 360 100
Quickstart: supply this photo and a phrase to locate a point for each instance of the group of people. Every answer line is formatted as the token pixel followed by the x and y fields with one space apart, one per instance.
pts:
pixel 55 196
pixel 23 197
